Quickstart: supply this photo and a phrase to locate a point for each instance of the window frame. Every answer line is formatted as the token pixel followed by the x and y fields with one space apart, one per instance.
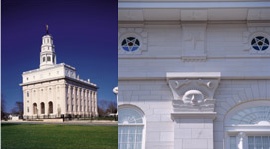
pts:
pixel 243 131
pixel 141 124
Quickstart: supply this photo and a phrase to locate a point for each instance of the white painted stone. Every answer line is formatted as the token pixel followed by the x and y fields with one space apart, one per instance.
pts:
pixel 48 90
pixel 195 42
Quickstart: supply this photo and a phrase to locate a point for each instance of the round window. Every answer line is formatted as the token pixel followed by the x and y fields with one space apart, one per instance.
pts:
pixel 130 44
pixel 260 43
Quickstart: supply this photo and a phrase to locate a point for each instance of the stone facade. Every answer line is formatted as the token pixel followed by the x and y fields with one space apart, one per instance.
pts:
pixel 200 77
pixel 54 90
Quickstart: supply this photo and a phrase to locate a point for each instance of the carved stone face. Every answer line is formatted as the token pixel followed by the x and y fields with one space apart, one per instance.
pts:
pixel 193 97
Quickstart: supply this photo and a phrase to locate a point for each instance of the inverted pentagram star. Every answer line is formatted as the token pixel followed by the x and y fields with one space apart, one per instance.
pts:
pixel 260 43
pixel 130 44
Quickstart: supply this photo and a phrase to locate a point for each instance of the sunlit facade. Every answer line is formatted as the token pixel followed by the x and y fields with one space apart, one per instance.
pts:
pixel 194 74
pixel 54 90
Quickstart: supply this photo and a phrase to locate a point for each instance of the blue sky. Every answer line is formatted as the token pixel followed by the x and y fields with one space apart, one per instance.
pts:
pixel 84 34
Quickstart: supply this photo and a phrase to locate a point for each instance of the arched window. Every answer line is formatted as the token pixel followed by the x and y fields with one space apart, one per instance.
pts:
pixel 48 58
pixel 34 108
pixel 131 128
pixel 248 126
pixel 42 108
pixel 50 107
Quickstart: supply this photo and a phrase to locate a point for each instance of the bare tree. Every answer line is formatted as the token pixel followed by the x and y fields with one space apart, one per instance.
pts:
pixel 106 107
pixel 18 109
pixel 112 108
pixel 3 113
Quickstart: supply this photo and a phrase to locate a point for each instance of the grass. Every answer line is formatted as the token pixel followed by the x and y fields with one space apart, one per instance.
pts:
pixel 51 136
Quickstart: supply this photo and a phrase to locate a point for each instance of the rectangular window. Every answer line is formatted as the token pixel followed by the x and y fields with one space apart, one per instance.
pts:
pixel 233 142
pixel 130 137
pixel 258 142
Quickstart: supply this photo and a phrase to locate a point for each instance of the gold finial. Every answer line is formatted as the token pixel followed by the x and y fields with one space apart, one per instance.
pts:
pixel 47 29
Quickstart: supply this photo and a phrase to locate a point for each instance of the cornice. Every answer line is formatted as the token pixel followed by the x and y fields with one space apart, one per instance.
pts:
pixel 196 5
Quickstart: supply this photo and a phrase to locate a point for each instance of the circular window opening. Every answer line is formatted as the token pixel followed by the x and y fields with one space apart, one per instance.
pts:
pixel 130 44
pixel 260 43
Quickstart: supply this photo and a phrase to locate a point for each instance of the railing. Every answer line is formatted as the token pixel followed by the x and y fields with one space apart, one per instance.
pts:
pixel 65 117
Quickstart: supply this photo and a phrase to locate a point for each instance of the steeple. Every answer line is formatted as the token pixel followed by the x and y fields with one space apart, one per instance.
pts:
pixel 47 29
pixel 47 54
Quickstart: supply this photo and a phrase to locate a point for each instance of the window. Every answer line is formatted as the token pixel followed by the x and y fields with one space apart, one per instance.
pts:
pixel 233 142
pixel 35 108
pixel 260 43
pixel 48 58
pixel 248 126
pixel 258 142
pixel 130 44
pixel 130 128
pixel 43 59
pixel 27 94
pixel 42 107
pixel 50 107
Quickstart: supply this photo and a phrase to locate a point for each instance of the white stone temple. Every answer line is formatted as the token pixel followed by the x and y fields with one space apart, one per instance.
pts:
pixel 194 74
pixel 54 90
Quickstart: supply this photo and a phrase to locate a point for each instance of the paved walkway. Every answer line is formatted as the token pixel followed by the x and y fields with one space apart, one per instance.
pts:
pixel 74 122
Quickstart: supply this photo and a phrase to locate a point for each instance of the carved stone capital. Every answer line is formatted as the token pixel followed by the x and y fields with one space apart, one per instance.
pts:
pixel 193 91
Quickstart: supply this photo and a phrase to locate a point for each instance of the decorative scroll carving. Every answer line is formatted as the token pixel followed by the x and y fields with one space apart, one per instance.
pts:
pixel 193 93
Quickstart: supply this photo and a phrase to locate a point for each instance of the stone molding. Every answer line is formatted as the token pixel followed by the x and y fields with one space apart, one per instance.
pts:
pixel 193 115
pixel 193 92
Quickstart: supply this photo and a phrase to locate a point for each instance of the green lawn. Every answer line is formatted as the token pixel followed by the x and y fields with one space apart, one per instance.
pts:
pixel 51 136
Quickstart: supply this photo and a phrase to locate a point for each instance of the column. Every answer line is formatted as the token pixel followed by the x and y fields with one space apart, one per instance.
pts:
pixel 79 101
pixel 83 102
pixel 92 103
pixel 96 112
pixel 69 99
pixel 89 102
pixel 75 100
pixel 193 130
pixel 25 104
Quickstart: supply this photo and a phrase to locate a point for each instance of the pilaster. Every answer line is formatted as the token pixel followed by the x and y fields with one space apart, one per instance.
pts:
pixel 193 108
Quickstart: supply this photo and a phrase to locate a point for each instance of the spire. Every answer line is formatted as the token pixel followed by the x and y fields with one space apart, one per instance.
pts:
pixel 47 53
pixel 47 29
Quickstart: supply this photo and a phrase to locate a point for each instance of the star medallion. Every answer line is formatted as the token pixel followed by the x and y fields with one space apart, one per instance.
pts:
pixel 130 44
pixel 260 43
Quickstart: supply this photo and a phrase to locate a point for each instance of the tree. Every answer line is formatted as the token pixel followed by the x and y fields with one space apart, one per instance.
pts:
pixel 106 107
pixel 18 109
pixel 3 113
pixel 112 108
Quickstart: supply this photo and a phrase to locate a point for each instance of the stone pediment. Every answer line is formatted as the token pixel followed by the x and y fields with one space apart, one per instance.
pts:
pixel 193 91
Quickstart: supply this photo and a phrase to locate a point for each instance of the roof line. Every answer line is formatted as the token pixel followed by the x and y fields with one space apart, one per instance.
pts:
pixel 143 5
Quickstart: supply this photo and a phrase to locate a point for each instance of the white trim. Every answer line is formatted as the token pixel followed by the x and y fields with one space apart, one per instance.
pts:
pixel 170 5
pixel 193 115
pixel 172 75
